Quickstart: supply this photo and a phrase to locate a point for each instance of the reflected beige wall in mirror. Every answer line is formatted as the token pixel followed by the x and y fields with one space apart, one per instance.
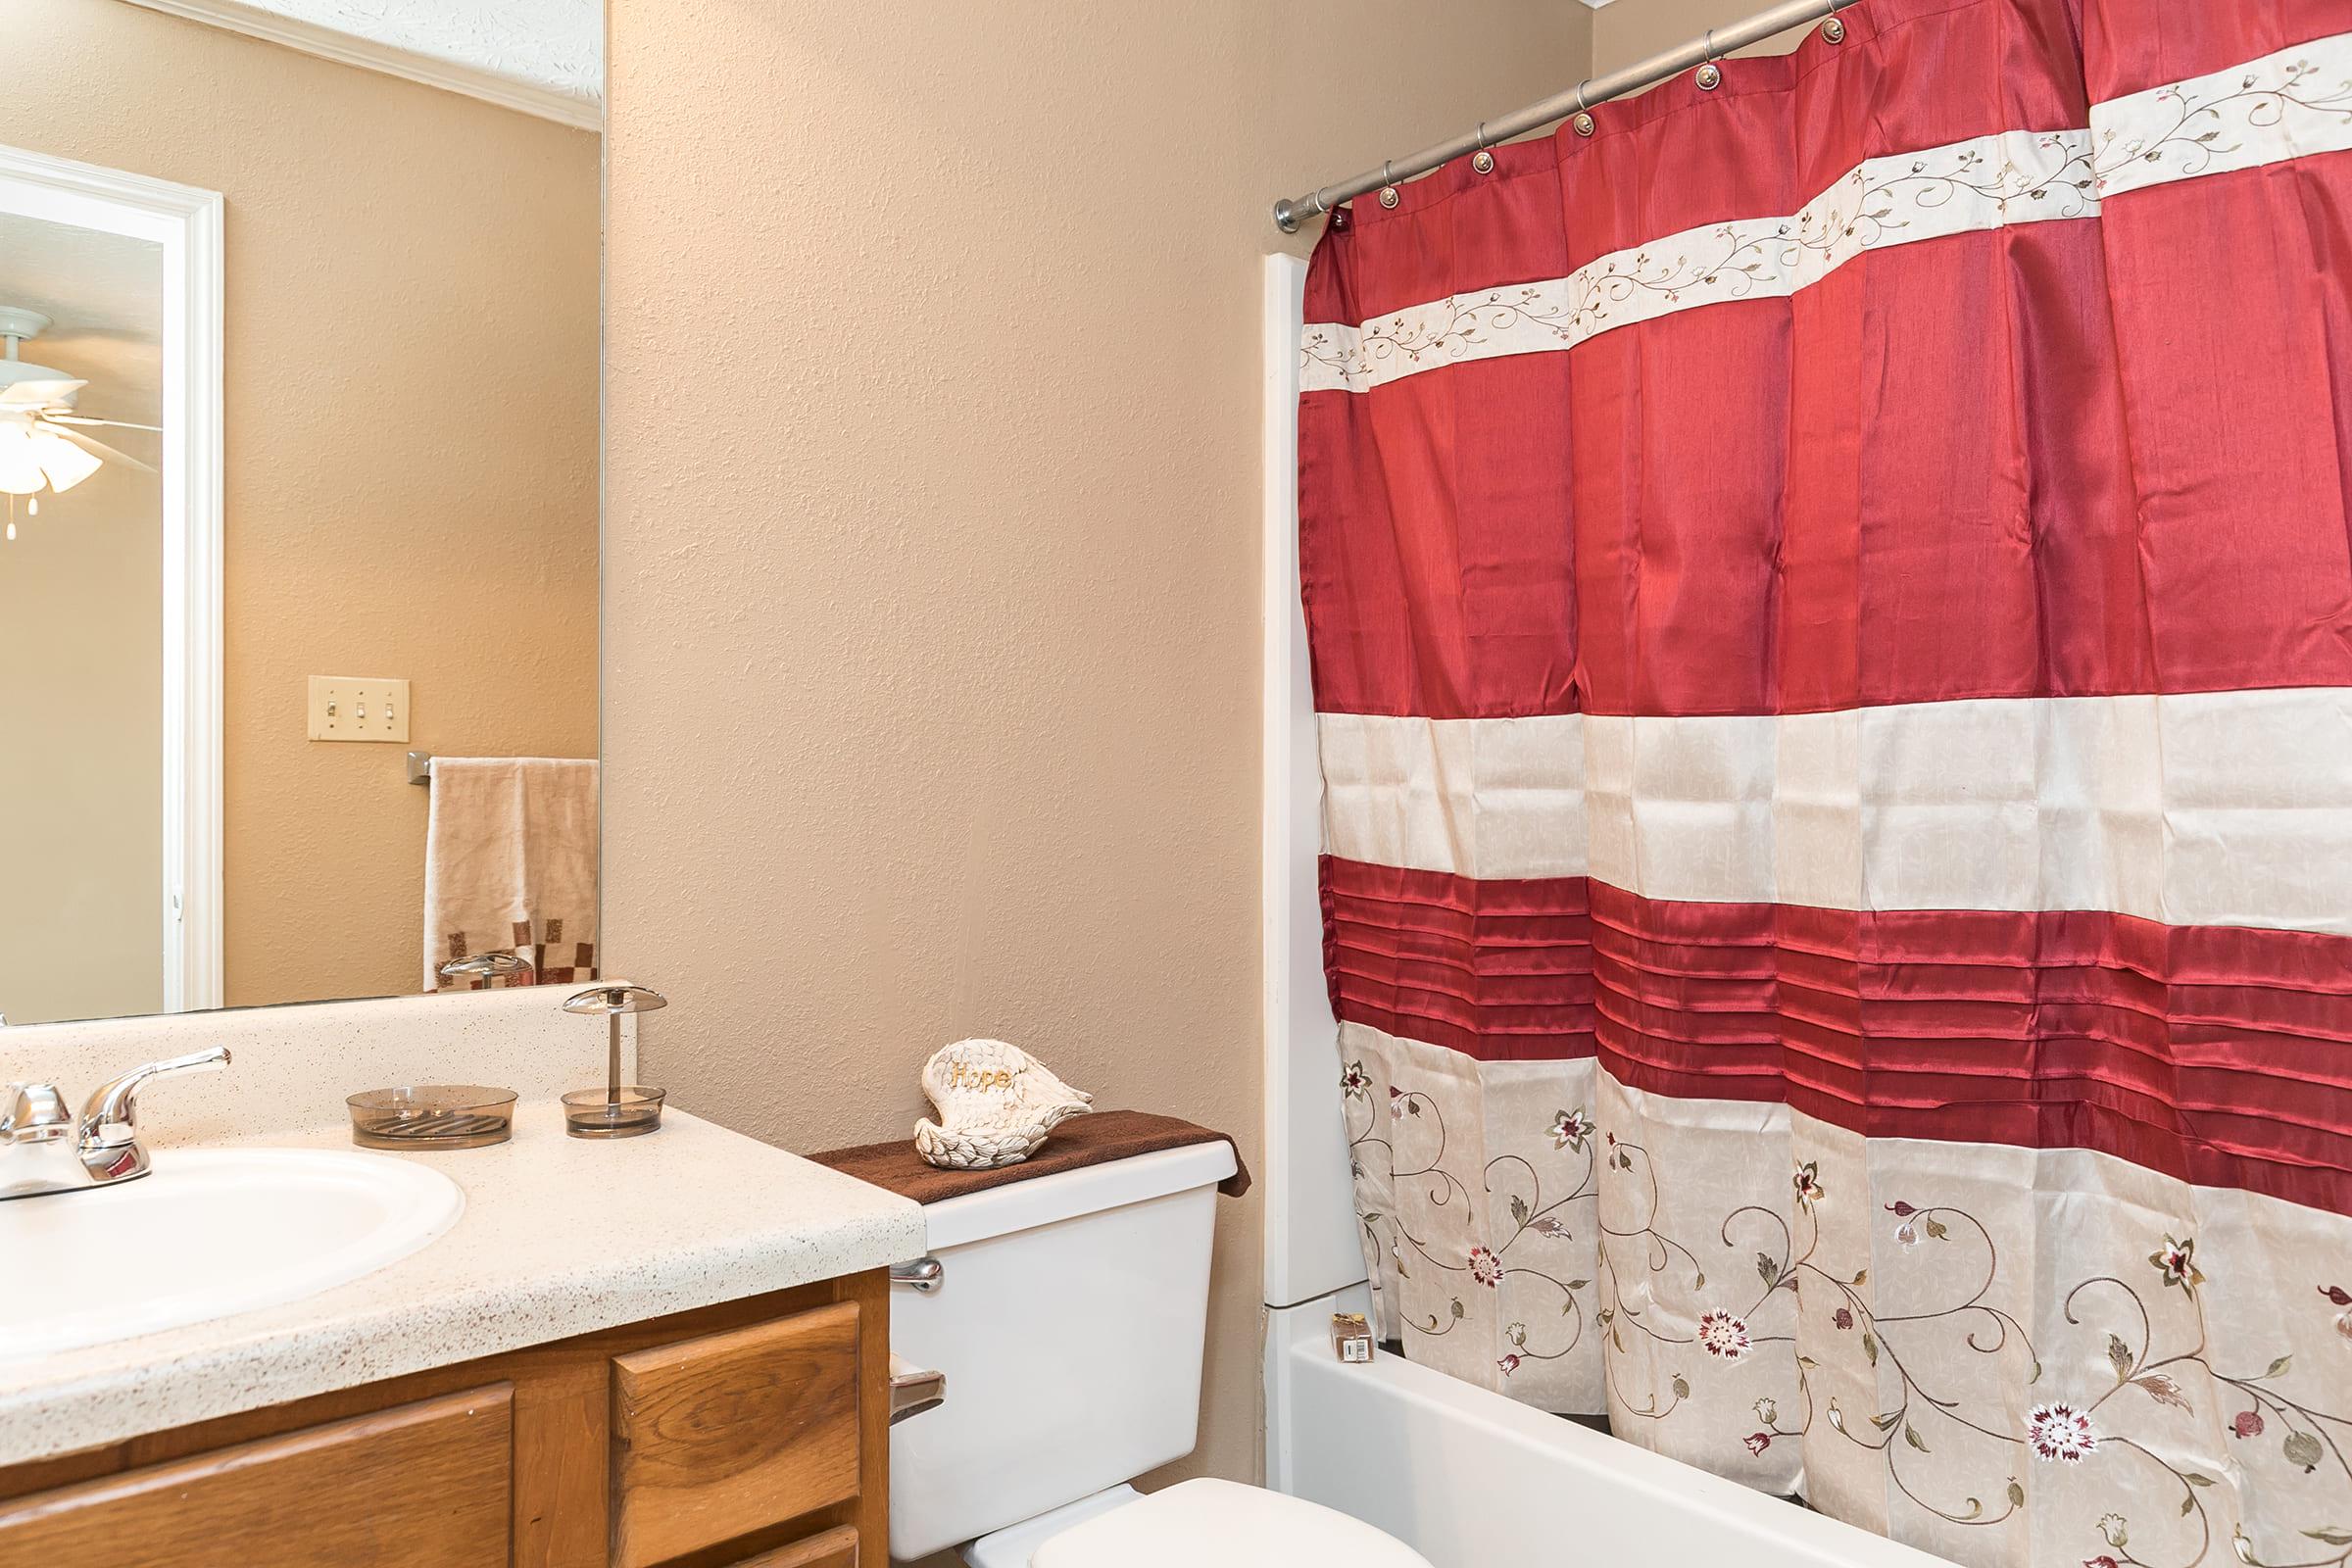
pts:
pixel 409 455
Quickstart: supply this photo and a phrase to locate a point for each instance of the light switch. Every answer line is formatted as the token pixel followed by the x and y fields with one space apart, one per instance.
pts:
pixel 357 708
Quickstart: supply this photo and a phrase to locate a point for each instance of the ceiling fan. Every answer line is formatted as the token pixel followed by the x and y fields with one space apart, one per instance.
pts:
pixel 42 440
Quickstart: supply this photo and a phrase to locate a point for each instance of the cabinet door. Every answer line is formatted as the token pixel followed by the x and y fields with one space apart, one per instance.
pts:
pixel 418 1486
pixel 722 1436
pixel 835 1548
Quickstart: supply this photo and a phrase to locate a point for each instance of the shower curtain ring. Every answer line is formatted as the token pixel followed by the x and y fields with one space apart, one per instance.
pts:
pixel 1710 75
pixel 1388 185
pixel 1582 120
pixel 1483 160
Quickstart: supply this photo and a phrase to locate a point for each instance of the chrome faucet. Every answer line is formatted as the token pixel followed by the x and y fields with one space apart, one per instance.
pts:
pixel 44 1148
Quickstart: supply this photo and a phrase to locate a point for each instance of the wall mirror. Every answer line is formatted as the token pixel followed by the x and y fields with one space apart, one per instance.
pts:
pixel 298 472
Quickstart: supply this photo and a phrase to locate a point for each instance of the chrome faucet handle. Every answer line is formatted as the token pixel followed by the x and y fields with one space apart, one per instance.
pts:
pixel 35 1114
pixel 50 1150
pixel 109 1116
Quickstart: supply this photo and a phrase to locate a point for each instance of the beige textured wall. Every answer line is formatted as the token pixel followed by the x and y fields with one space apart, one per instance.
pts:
pixel 931 673
pixel 80 761
pixel 412 484
pixel 1627 30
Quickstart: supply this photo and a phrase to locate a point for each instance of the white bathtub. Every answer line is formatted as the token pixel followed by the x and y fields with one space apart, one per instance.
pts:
pixel 1471 1479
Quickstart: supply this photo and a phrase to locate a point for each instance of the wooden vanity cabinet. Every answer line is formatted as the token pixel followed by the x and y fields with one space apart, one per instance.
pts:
pixel 748 1435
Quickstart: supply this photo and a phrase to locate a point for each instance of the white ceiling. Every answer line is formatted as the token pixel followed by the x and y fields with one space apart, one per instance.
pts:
pixel 545 56
pixel 104 296
pixel 556 44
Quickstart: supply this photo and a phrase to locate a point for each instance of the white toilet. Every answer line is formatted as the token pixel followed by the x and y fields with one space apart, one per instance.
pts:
pixel 1068 1319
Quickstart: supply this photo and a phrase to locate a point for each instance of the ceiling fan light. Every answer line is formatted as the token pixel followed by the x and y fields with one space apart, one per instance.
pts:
pixel 19 466
pixel 66 463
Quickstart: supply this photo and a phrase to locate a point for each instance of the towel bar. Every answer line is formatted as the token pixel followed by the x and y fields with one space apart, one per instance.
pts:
pixel 420 767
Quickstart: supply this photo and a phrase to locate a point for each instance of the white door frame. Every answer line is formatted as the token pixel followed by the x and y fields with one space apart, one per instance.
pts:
pixel 187 224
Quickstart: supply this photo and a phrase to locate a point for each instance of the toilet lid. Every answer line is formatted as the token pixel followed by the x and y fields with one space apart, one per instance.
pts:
pixel 1221 1524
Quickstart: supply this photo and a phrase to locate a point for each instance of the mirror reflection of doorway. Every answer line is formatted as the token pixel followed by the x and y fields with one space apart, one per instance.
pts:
pixel 109 592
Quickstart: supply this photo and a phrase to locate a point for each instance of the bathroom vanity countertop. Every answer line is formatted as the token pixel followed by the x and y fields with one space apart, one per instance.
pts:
pixel 560 1236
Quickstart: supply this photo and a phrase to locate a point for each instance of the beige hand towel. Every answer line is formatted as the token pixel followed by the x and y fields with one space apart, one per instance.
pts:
pixel 510 866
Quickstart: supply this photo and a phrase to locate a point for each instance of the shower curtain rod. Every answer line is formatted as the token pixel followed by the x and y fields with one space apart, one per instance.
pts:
pixel 1583 96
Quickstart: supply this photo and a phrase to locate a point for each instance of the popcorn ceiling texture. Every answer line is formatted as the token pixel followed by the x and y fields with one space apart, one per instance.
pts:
pixel 556 44
pixel 933 536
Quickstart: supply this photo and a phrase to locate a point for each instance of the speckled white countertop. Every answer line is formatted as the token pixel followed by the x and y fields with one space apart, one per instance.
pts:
pixel 560 1236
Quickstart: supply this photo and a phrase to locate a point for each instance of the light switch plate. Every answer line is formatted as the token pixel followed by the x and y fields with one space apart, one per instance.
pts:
pixel 359 707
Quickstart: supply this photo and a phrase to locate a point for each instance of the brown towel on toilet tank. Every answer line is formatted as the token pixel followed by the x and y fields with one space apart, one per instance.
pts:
pixel 1080 1141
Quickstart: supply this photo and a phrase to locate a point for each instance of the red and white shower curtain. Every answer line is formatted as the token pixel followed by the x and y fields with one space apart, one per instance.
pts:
pixel 1832 613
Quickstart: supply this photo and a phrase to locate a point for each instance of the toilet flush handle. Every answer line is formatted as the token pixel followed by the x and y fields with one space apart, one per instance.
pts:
pixel 914 1389
pixel 923 1274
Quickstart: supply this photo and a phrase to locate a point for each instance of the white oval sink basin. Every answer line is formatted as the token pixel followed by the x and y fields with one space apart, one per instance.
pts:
pixel 207 1232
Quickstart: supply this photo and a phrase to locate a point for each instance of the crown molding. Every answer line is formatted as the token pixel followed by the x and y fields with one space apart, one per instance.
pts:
pixel 348 49
pixel 1596 4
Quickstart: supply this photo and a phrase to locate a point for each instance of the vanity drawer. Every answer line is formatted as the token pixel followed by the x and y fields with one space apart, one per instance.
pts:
pixel 416 1486
pixel 734 1433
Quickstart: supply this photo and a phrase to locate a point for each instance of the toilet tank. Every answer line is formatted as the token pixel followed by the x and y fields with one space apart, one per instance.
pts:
pixel 1068 1318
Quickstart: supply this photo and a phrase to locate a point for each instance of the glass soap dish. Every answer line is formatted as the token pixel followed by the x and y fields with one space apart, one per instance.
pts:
pixel 432 1116
pixel 622 1112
